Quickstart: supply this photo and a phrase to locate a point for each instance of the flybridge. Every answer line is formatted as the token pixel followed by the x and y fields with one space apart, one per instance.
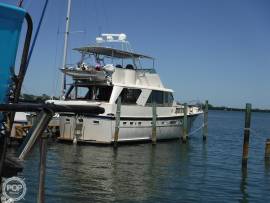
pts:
pixel 101 48
pixel 111 52
pixel 109 65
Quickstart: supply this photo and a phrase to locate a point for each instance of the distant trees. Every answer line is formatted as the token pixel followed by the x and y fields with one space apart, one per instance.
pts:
pixel 35 99
pixel 226 108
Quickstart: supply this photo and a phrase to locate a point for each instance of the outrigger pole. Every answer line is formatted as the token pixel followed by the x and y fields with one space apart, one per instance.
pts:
pixel 65 50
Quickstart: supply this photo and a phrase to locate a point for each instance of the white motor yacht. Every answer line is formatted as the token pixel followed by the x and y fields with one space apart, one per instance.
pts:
pixel 105 74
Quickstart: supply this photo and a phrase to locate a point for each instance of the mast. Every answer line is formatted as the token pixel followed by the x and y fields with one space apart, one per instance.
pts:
pixel 65 50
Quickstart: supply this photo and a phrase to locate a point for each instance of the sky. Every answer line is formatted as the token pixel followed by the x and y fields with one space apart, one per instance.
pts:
pixel 205 49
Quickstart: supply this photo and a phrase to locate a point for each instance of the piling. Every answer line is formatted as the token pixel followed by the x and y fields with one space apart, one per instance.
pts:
pixel 154 124
pixel 246 135
pixel 267 150
pixel 42 168
pixel 205 121
pixel 185 124
pixel 117 121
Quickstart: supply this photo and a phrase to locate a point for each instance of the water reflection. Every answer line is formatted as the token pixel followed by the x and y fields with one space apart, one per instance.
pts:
pixel 267 166
pixel 243 185
pixel 168 172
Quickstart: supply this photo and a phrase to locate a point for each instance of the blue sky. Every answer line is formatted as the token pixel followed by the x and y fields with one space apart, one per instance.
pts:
pixel 213 49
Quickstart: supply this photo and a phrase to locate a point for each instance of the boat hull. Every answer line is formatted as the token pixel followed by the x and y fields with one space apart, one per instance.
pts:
pixel 100 129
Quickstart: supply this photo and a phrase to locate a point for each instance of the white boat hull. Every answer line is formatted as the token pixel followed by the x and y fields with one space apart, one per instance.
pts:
pixel 101 129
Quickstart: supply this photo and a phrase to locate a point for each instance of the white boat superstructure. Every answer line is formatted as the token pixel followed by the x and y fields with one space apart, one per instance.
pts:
pixel 105 74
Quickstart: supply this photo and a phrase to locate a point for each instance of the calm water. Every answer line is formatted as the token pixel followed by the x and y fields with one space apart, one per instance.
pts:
pixel 169 172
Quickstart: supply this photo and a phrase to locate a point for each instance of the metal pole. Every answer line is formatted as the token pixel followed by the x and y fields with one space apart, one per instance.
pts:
pixel 117 121
pixel 246 135
pixel 42 168
pixel 154 124
pixel 205 121
pixel 42 122
pixel 65 49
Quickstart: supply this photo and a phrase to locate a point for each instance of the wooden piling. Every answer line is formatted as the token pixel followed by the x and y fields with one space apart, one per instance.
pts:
pixel 154 123
pixel 267 150
pixel 42 169
pixel 205 121
pixel 117 121
pixel 185 125
pixel 246 135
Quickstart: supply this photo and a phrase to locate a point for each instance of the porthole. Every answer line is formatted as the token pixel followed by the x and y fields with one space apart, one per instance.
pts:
pixel 173 122
pixel 96 122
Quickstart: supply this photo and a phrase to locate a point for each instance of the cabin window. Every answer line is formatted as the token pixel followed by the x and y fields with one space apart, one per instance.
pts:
pixel 96 93
pixel 157 97
pixel 160 98
pixel 170 98
pixel 130 96
pixel 103 93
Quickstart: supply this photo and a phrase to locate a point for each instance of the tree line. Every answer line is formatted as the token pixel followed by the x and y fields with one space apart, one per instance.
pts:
pixel 36 98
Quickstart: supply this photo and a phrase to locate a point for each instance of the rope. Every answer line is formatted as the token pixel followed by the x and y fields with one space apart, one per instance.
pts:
pixel 20 3
pixel 56 76
pixel 253 132
pixel 196 130
pixel 37 31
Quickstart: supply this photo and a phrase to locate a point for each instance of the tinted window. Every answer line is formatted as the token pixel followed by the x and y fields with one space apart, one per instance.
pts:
pixel 160 98
pixel 170 98
pixel 98 93
pixel 103 93
pixel 157 96
pixel 130 96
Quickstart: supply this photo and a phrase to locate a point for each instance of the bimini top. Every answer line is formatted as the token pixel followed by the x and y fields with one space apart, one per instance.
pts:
pixel 107 51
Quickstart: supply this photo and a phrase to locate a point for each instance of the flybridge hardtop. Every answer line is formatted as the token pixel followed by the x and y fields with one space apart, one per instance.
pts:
pixel 111 52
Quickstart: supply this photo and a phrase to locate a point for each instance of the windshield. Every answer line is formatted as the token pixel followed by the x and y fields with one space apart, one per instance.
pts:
pixel 90 93
pixel 96 60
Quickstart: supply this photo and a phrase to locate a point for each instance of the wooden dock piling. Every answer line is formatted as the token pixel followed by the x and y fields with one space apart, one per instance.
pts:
pixel 246 135
pixel 42 168
pixel 154 124
pixel 267 150
pixel 117 121
pixel 205 121
pixel 185 124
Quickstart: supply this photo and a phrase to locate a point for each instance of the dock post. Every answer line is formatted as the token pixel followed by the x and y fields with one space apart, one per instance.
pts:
pixel 185 125
pixel 42 168
pixel 117 121
pixel 205 121
pixel 154 123
pixel 246 135
pixel 267 150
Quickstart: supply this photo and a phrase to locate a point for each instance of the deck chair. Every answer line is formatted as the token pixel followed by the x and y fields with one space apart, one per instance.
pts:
pixel 11 20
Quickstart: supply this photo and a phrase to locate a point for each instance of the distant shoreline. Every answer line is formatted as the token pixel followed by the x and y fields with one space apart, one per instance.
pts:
pixel 237 109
